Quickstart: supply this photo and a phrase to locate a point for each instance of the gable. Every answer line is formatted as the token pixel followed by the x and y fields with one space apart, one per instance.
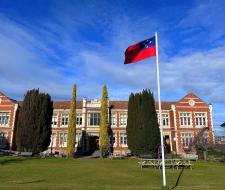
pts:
pixel 191 100
pixel 4 100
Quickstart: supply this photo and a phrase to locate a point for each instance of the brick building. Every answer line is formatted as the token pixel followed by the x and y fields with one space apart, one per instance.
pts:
pixel 8 114
pixel 182 120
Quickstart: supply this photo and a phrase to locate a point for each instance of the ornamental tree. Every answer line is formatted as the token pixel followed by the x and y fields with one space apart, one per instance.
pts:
pixel 72 125
pixel 103 135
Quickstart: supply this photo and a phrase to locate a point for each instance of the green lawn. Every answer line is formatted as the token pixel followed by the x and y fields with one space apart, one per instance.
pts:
pixel 60 174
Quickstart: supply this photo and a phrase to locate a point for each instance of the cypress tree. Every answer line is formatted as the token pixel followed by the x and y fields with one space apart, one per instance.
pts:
pixel 154 130
pixel 34 122
pixel 142 126
pixel 72 125
pixel 103 135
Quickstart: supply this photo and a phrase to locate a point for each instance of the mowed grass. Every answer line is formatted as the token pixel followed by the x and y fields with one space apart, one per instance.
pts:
pixel 86 174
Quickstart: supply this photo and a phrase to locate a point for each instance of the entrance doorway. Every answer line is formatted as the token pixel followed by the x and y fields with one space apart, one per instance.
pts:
pixel 167 144
pixel 93 143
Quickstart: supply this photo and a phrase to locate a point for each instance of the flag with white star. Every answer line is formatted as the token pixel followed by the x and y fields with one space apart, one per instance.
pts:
pixel 140 51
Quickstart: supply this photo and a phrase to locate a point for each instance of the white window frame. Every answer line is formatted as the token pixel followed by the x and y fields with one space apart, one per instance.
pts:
pixel 64 116
pixel 165 119
pixel 53 139
pixel 113 119
pixel 78 137
pixel 93 118
pixel 4 116
pixel 55 119
pixel 186 139
pixel 186 123
pixel 201 117
pixel 123 119
pixel 62 139
pixel 79 119
pixel 123 139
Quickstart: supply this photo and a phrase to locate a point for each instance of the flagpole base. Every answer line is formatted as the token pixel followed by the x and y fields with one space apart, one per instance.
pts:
pixel 165 188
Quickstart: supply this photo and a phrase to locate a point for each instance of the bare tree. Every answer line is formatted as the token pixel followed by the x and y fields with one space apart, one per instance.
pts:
pixel 201 142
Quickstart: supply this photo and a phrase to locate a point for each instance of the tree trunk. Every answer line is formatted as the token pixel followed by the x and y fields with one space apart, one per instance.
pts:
pixel 205 155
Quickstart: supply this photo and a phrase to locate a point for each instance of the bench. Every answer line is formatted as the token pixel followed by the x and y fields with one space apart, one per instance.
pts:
pixel 143 162
pixel 192 157
pixel 169 163
pixel 26 154
pixel 116 156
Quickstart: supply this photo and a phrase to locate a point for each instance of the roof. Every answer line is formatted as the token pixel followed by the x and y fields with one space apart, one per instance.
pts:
pixel 191 95
pixel 165 105
pixel 124 105
pixel 223 124
pixel 61 104
pixel 65 104
pixel 118 104
pixel 12 100
pixel 114 104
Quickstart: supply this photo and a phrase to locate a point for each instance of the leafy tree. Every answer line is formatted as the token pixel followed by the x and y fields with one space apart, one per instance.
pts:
pixel 143 133
pixel 72 125
pixel 34 123
pixel 103 136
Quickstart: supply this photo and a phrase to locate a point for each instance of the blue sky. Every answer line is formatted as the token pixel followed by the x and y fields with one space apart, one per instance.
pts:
pixel 52 44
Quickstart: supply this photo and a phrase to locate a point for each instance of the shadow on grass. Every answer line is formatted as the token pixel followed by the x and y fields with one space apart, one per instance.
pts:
pixel 14 160
pixel 28 181
pixel 178 179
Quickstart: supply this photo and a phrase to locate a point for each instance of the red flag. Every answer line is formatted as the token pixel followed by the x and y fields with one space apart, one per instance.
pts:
pixel 140 51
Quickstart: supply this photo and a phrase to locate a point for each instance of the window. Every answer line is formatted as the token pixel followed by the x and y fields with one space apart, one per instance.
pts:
pixel 200 119
pixel 78 139
pixel 165 119
pixel 185 119
pixel 53 140
pixel 63 139
pixel 4 119
pixel 65 120
pixel 3 139
pixel 186 139
pixel 94 118
pixel 113 140
pixel 79 118
pixel 54 119
pixel 123 119
pixel 113 119
pixel 123 139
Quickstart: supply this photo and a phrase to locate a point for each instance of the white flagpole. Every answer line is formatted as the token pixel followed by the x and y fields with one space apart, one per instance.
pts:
pixel 160 112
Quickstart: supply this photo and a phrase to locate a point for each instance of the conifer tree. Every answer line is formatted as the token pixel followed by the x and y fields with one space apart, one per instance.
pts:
pixel 34 122
pixel 142 126
pixel 103 135
pixel 72 125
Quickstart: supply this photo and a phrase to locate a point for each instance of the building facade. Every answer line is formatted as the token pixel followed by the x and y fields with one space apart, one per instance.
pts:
pixel 182 121
pixel 8 115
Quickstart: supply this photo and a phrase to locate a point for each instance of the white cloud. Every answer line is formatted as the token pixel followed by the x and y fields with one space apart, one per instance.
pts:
pixel 202 72
pixel 206 20
pixel 57 53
